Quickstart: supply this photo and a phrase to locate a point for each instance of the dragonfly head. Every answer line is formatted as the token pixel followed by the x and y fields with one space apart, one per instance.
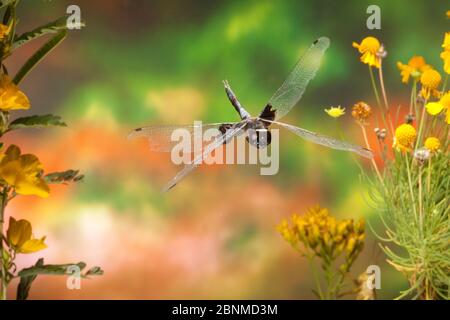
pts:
pixel 259 138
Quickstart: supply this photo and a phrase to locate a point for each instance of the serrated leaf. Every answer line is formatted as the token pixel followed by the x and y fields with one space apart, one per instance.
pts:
pixel 51 269
pixel 39 55
pixel 49 28
pixel 64 176
pixel 26 281
pixel 28 275
pixel 41 121
pixel 94 271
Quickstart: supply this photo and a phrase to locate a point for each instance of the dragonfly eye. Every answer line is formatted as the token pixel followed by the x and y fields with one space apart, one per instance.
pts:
pixel 259 138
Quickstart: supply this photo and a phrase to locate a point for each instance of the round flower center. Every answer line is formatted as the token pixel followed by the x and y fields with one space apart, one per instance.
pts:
pixel 405 135
pixel 430 79
pixel 432 144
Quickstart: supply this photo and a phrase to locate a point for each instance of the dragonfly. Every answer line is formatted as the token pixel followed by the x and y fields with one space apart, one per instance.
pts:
pixel 257 129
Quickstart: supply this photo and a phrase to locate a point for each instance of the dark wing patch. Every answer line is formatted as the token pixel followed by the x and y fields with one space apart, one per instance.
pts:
pixel 269 114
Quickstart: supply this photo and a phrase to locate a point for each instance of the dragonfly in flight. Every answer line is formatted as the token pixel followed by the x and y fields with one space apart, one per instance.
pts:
pixel 256 128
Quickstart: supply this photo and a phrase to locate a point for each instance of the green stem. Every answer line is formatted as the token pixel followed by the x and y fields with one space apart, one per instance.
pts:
pixel 420 202
pixel 383 91
pixel 422 121
pixel 316 276
pixel 410 187
pixel 375 90
pixel 3 284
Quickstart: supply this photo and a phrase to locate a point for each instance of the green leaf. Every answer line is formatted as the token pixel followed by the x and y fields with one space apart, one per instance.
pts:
pixel 48 120
pixel 28 275
pixel 94 271
pixel 50 269
pixel 39 55
pixel 49 28
pixel 26 281
pixel 64 176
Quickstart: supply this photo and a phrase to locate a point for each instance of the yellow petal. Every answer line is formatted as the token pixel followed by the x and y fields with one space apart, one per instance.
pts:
pixel 446 57
pixel 33 186
pixel 11 172
pixel 23 173
pixel 434 108
pixel 18 232
pixel 33 245
pixel 11 98
pixel 370 59
pixel 12 153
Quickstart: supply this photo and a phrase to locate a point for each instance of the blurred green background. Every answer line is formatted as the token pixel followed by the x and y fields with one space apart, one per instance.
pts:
pixel 162 62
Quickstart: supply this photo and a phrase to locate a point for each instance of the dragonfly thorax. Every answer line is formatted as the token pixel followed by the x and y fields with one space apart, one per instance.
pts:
pixel 258 135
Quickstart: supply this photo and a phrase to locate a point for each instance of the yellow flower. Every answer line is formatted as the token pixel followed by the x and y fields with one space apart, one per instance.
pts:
pixel 415 67
pixel 430 80
pixel 445 102
pixel 405 135
pixel 4 31
pixel 443 105
pixel 23 172
pixel 370 49
pixel 448 14
pixel 11 98
pixel 20 237
pixel 445 55
pixel 335 112
pixel 432 144
pixel 322 235
pixel 446 43
pixel 434 108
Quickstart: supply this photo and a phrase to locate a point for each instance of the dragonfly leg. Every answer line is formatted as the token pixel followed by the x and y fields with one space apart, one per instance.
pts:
pixel 235 102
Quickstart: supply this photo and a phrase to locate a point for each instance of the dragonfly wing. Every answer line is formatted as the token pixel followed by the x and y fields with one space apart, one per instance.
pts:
pixel 227 136
pixel 290 92
pixel 325 140
pixel 160 136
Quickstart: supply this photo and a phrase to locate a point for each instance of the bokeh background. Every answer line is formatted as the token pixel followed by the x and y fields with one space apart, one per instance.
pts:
pixel 162 62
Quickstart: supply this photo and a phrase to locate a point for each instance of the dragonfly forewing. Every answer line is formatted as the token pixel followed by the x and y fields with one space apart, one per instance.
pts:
pixel 292 89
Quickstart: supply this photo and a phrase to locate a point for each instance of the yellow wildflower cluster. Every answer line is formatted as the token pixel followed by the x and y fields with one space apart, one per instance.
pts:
pixel 323 235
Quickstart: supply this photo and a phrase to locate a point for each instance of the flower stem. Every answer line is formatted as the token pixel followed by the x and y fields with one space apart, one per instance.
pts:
pixel 316 276
pixel 363 129
pixel 375 90
pixel 3 283
pixel 420 201
pixel 383 91
pixel 422 121
pixel 408 171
